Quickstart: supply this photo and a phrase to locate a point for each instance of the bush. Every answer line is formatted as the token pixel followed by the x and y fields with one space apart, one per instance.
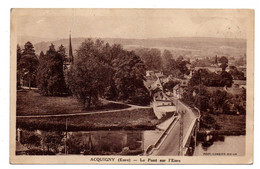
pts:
pixel 208 122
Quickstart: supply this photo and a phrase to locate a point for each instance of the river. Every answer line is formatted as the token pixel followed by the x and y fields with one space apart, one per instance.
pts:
pixel 116 142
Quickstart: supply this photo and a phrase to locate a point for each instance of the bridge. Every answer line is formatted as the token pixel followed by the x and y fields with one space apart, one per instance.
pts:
pixel 180 136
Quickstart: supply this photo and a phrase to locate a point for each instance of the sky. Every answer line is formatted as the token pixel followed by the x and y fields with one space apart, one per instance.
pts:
pixel 51 24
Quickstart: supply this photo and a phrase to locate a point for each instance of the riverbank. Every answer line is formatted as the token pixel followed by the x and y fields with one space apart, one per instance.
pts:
pixel 227 125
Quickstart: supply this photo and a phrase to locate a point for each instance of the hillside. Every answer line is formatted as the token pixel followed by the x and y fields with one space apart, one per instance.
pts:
pixel 177 45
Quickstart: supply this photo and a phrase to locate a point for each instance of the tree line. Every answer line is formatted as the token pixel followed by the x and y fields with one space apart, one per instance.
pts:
pixel 100 70
pixel 206 91
pixel 155 60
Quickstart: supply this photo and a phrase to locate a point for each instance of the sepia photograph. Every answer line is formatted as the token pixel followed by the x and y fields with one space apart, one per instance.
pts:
pixel 132 86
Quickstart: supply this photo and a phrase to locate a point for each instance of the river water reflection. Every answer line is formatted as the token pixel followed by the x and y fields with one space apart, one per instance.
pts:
pixel 116 142
pixel 119 142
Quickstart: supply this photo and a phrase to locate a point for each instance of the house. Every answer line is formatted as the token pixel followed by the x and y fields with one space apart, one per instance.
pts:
pixel 178 91
pixel 159 74
pixel 156 84
pixel 156 80
pixel 160 99
pixel 148 83
pixel 164 79
pixel 183 82
pixel 149 73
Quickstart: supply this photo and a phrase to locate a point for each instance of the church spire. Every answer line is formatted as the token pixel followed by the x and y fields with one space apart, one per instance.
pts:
pixel 71 59
pixel 216 60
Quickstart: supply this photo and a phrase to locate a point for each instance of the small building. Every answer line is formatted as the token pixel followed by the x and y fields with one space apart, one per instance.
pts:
pixel 159 74
pixel 164 79
pixel 178 91
pixel 160 99
pixel 183 82
pixel 148 82
pixel 155 80
pixel 149 73
pixel 156 84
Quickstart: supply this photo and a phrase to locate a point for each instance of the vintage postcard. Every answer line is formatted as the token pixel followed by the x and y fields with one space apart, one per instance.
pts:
pixel 132 86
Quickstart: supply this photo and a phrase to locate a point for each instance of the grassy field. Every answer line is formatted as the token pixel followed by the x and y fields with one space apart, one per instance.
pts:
pixel 32 103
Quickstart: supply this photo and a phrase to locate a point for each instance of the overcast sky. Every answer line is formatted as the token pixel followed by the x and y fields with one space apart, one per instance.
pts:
pixel 121 23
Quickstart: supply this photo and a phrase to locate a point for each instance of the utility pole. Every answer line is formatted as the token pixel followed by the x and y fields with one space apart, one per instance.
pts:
pixel 180 153
pixel 66 136
pixel 181 135
pixel 200 89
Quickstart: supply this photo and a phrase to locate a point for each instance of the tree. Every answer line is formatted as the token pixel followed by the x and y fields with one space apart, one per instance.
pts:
pixel 197 96
pixel 171 67
pixel 170 85
pixel 129 77
pixel 217 100
pixel 205 62
pixel 101 70
pixel 111 57
pixel 28 65
pixel 182 66
pixel 62 52
pixel 87 76
pixel 166 58
pixel 77 143
pixel 42 74
pixel 151 58
pixel 224 63
pixel 226 79
pixel 30 139
pixel 200 77
pixel 50 75
pixel 223 66
pixel 207 78
pixel 41 57
pixel 223 59
pixel 201 99
pixel 18 70
pixel 52 141
pixel 236 74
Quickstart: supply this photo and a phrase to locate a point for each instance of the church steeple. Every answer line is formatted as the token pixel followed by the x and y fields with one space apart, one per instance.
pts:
pixel 216 60
pixel 71 58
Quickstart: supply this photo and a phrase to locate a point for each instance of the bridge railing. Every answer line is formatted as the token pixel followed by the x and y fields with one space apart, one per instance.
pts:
pixel 184 107
pixel 157 145
pixel 181 107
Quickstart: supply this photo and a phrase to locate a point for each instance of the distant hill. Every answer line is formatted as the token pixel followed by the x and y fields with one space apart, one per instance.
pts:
pixel 189 46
